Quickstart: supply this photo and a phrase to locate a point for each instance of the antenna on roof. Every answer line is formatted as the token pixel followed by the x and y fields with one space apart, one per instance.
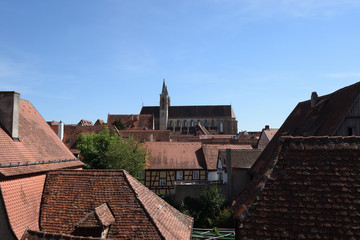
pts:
pixel 142 103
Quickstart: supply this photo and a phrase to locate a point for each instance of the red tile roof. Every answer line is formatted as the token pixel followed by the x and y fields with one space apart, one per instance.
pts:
pixel 132 121
pixel 37 143
pixel 39 235
pixel 175 155
pixel 158 135
pixel 211 152
pixel 310 192
pixel 240 158
pixel 171 223
pixel 71 132
pixel 323 119
pixel 22 197
pixel 139 213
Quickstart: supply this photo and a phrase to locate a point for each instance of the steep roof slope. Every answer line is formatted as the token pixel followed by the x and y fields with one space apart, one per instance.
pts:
pixel 311 192
pixel 39 148
pixel 321 120
pixel 211 152
pixel 70 195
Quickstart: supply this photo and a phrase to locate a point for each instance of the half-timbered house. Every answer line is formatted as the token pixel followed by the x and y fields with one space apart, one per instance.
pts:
pixel 171 163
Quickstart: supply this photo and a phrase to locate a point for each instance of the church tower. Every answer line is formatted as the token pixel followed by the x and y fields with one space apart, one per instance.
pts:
pixel 164 107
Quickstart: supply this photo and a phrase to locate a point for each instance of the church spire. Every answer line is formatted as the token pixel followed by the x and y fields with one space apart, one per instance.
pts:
pixel 164 88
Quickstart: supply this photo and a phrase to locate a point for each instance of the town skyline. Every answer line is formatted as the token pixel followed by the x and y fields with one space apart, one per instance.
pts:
pixel 78 61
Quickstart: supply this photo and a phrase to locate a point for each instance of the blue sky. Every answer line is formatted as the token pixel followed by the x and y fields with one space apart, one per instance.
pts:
pixel 84 59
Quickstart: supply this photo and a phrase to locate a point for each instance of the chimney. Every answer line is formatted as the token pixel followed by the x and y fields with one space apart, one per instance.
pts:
pixel 61 130
pixel 9 113
pixel 267 127
pixel 314 99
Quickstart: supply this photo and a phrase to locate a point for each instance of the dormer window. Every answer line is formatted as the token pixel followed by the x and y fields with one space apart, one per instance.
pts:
pixel 96 224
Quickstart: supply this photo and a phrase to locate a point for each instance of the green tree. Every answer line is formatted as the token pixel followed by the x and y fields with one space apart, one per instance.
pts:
pixel 105 151
pixel 119 124
pixel 209 209
pixel 211 202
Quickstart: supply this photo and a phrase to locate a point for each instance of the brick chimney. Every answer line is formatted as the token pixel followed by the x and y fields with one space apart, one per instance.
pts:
pixel 9 113
pixel 314 99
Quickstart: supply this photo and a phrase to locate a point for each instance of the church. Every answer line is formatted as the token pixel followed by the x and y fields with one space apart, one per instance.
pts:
pixel 215 119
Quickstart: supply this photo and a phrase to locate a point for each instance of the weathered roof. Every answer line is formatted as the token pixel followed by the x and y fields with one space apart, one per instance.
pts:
pixel 144 135
pixel 139 213
pixel 71 132
pixel 132 121
pixel 39 149
pixel 84 122
pixel 211 152
pixel 323 119
pixel 311 191
pixel 269 133
pixel 192 111
pixel 240 158
pixel 175 155
pixel 39 235
pixel 100 217
pixel 22 197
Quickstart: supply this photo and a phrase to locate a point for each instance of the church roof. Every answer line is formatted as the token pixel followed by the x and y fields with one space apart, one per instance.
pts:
pixel 193 111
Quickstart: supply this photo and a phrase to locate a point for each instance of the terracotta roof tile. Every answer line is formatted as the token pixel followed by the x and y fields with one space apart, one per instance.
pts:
pixel 22 198
pixel 171 223
pixel 175 155
pixel 211 152
pixel 71 132
pixel 132 121
pixel 144 135
pixel 39 235
pixel 70 195
pixel 323 119
pixel 310 192
pixel 241 158
pixel 37 143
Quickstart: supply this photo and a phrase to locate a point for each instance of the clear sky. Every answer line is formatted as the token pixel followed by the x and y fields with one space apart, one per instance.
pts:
pixel 84 59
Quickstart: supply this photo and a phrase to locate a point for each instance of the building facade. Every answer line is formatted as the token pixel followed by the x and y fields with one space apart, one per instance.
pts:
pixel 217 119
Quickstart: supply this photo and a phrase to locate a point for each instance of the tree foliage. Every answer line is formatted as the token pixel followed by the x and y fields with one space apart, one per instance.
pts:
pixel 209 210
pixel 105 151
pixel 119 124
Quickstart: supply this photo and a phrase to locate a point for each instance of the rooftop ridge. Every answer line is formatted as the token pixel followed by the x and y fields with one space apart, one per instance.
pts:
pixel 320 143
pixel 49 235
pixel 18 164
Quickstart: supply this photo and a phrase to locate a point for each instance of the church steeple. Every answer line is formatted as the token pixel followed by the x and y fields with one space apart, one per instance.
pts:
pixel 164 107
pixel 164 89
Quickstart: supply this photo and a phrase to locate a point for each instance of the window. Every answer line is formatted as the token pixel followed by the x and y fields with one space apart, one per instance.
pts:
pixel 185 123
pixel 141 175
pixel 205 123
pixel 198 122
pixel 196 175
pixel 221 127
pixel 162 182
pixel 178 123
pixel 171 123
pixel 179 175
pixel 192 123
pixel 212 123
pixel 351 131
